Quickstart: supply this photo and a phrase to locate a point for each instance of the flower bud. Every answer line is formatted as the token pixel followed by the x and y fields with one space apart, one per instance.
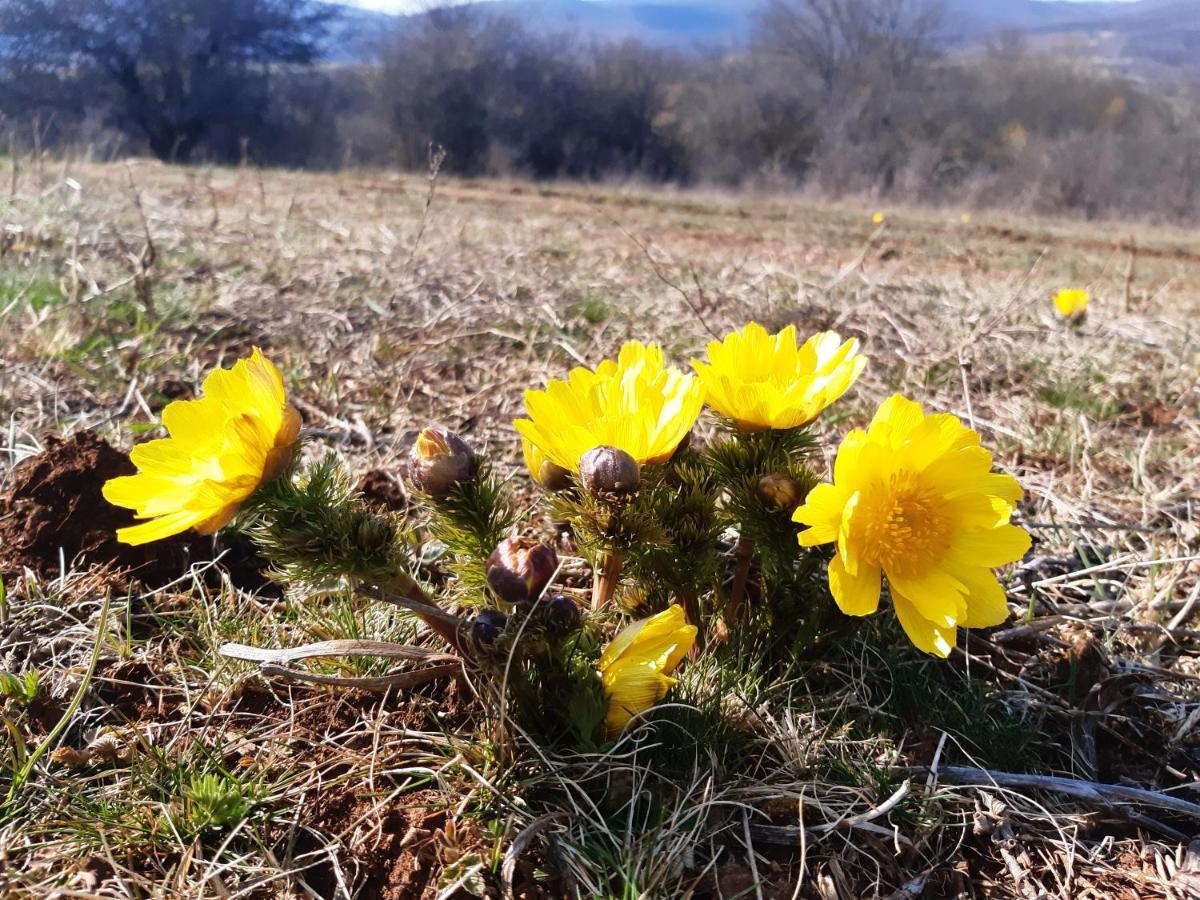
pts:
pixel 439 461
pixel 519 569
pixel 553 477
pixel 544 471
pixel 778 492
pixel 563 614
pixel 488 626
pixel 609 471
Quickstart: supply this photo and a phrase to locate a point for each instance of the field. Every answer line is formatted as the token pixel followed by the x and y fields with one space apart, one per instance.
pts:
pixel 142 763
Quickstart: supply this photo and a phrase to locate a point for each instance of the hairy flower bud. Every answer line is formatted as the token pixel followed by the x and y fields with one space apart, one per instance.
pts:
pixel 553 477
pixel 778 492
pixel 609 471
pixel 439 461
pixel 563 614
pixel 488 626
pixel 519 569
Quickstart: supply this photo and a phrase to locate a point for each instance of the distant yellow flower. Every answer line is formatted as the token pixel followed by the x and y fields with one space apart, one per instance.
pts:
pixel 635 668
pixel 965 218
pixel 1072 303
pixel 914 498
pixel 877 218
pixel 221 448
pixel 765 381
pixel 635 403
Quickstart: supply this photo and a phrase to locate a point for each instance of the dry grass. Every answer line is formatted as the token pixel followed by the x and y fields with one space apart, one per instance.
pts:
pixel 385 314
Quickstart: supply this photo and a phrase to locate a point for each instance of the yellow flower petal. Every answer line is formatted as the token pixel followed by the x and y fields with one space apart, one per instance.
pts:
pixel 987 604
pixel 636 403
pixel 634 666
pixel 631 692
pixel 221 448
pixel 1072 303
pixel 914 497
pixel 856 595
pixel 766 381
pixel 924 634
pixel 822 511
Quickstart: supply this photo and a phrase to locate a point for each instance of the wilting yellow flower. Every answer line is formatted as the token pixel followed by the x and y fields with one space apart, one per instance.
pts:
pixel 877 218
pixel 914 498
pixel 635 669
pixel 635 403
pixel 1072 303
pixel 764 381
pixel 221 448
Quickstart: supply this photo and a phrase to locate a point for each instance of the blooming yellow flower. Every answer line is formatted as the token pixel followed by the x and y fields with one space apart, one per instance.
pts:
pixel 878 218
pixel 1072 303
pixel 635 669
pixel 914 498
pixel 221 448
pixel 635 403
pixel 764 381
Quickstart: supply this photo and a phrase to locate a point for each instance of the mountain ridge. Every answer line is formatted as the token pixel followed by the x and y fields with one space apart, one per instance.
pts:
pixel 1147 32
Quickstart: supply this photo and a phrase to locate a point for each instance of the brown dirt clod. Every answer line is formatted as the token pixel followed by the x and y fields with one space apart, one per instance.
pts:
pixel 381 491
pixel 53 510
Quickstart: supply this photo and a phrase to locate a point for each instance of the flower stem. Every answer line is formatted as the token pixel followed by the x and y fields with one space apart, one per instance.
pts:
pixel 414 599
pixel 605 577
pixel 744 554
pixel 691 609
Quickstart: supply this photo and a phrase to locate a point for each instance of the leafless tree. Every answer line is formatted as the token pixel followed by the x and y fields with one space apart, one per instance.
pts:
pixel 838 39
pixel 177 71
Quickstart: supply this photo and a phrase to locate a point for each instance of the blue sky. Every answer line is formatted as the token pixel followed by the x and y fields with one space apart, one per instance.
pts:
pixel 414 5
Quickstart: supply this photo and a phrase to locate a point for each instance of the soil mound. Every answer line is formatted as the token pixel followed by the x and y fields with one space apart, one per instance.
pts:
pixel 54 504
pixel 381 491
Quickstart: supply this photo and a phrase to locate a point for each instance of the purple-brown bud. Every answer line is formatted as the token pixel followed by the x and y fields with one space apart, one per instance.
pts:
pixel 609 472
pixel 519 569
pixel 562 614
pixel 778 492
pixel 488 626
pixel 440 461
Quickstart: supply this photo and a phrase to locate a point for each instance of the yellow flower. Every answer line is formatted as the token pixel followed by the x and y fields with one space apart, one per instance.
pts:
pixel 965 218
pixel 635 403
pixel 878 218
pixel 764 381
pixel 635 669
pixel 914 498
pixel 221 448
pixel 1072 303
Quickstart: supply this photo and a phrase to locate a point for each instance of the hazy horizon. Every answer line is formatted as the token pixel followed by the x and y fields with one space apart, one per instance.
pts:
pixel 408 6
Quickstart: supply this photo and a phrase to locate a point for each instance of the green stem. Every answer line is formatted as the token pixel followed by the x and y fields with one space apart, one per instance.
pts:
pixel 605 577
pixel 442 623
pixel 744 554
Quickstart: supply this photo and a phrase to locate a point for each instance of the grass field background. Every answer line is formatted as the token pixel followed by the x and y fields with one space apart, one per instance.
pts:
pixel 390 302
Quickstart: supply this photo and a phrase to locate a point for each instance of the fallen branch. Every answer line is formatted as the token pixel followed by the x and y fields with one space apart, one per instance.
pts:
pixel 1106 795
pixel 274 662
pixel 384 649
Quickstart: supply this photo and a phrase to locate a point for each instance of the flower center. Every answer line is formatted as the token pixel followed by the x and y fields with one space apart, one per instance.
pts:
pixel 905 528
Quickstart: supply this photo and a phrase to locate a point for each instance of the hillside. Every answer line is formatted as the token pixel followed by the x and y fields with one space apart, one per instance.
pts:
pixel 1149 33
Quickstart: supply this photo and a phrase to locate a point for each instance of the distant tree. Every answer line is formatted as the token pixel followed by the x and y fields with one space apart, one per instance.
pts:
pixel 840 40
pixel 178 73
pixel 869 63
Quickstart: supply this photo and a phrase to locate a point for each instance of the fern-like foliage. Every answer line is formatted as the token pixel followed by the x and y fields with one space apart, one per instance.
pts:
pixel 738 463
pixel 476 516
pixel 315 530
